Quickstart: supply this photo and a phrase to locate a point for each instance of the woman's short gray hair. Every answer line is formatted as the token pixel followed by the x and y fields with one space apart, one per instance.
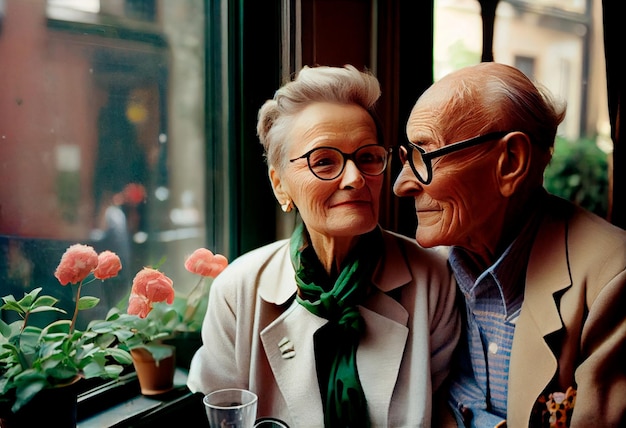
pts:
pixel 344 85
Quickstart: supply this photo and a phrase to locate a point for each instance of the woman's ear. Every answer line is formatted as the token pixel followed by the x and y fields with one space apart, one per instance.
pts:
pixel 514 162
pixel 280 193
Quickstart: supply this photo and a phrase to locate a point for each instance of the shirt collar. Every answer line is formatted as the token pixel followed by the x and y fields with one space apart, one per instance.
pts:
pixel 508 273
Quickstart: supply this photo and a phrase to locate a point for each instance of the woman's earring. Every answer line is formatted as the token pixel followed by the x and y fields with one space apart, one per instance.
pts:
pixel 287 206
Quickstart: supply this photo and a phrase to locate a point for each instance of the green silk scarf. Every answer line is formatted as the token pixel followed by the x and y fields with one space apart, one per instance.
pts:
pixel 336 343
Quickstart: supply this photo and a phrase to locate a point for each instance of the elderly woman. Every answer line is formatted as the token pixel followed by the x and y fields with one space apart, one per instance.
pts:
pixel 343 324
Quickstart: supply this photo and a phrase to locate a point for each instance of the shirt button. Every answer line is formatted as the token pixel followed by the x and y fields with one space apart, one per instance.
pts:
pixel 467 415
pixel 493 348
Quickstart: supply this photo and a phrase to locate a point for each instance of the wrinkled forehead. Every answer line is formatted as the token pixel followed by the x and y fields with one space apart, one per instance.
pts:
pixel 450 108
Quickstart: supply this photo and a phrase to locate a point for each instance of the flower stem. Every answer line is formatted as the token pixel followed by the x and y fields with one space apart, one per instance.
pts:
pixel 193 298
pixel 25 321
pixel 80 284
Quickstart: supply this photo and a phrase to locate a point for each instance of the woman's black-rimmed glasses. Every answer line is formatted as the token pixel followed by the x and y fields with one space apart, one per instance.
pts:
pixel 327 163
pixel 421 160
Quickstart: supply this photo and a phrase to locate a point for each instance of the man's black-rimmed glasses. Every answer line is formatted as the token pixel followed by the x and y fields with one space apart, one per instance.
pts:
pixel 327 163
pixel 421 160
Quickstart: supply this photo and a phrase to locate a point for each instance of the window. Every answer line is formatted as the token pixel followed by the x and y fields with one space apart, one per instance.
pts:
pixel 102 138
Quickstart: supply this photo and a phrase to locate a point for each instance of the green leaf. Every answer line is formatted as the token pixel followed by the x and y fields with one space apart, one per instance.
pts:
pixel 101 327
pixel 9 298
pixel 10 347
pixel 4 382
pixel 87 302
pixel 93 369
pixel 5 329
pixel 10 355
pixel 114 370
pixel 87 351
pixel 60 372
pixel 159 351
pixel 129 339
pixel 120 355
pixel 29 298
pixel 45 301
pixel 114 313
pixel 105 340
pixel 58 327
pixel 11 305
pixel 27 390
pixel 170 316
pixel 47 309
pixel 29 339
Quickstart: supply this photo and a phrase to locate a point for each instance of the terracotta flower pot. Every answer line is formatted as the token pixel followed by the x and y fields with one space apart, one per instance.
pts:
pixel 154 377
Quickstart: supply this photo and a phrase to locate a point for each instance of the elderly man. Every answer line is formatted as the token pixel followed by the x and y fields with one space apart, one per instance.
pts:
pixel 543 280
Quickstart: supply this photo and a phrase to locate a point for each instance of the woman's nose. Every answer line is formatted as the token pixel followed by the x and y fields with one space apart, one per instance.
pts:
pixel 352 176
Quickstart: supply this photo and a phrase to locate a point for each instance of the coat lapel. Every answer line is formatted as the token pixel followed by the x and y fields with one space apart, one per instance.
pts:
pixel 297 326
pixel 380 354
pixel 533 363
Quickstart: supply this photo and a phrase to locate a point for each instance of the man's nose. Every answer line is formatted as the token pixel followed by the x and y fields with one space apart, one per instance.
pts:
pixel 406 183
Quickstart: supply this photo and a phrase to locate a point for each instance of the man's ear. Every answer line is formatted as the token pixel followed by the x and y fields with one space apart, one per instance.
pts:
pixel 514 162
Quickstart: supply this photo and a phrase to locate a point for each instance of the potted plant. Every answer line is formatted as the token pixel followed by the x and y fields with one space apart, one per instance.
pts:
pixel 155 318
pixel 191 309
pixel 36 359
pixel 139 329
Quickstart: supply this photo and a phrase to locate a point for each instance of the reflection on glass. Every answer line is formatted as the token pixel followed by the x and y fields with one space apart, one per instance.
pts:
pixel 101 137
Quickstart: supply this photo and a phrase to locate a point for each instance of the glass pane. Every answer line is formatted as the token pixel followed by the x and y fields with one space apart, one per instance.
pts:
pixel 102 130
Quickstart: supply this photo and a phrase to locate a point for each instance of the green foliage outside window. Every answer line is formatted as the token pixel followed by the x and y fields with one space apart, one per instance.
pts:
pixel 579 172
pixel 461 56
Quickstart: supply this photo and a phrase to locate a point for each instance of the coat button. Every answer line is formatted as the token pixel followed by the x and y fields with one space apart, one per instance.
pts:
pixel 286 348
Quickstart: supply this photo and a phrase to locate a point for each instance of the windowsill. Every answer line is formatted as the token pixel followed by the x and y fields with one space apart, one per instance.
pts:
pixel 126 406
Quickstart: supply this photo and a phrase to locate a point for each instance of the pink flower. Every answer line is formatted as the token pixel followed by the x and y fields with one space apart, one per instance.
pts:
pixel 153 285
pixel 109 265
pixel 76 264
pixel 139 305
pixel 204 262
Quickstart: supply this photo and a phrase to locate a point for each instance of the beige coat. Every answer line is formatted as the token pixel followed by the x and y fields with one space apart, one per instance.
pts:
pixel 412 326
pixel 576 295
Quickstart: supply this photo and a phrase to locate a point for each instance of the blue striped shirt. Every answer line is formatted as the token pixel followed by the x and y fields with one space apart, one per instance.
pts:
pixel 493 302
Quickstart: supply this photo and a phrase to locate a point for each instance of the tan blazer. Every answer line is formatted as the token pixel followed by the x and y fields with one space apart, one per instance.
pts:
pixel 572 324
pixel 257 336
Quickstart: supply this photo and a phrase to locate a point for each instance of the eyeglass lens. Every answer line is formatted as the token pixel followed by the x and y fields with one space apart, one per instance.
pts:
pixel 328 163
pixel 416 161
